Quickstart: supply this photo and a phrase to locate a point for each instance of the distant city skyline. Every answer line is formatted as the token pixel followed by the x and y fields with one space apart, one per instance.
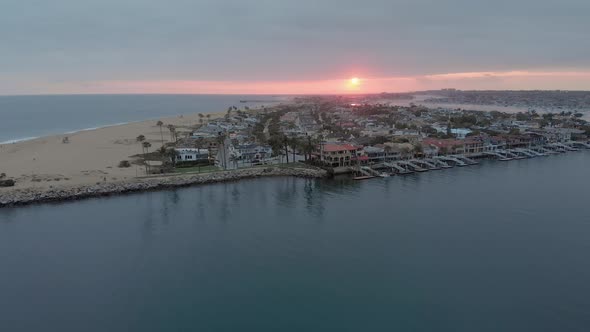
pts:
pixel 291 47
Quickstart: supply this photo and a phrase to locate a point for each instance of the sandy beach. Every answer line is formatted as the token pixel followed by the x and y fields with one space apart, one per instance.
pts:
pixel 90 156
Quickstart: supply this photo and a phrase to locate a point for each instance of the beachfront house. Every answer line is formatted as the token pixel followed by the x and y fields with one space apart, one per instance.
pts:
pixel 250 152
pixel 192 155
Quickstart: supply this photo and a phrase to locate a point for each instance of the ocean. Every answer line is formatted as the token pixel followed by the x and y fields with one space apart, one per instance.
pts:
pixel 28 117
pixel 493 247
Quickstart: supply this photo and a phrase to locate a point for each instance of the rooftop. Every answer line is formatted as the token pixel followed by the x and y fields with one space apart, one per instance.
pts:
pixel 340 147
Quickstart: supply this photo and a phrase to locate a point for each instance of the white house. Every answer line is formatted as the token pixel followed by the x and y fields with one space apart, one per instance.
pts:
pixel 191 154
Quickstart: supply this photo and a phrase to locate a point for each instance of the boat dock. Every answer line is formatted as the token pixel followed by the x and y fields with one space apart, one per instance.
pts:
pixel 410 166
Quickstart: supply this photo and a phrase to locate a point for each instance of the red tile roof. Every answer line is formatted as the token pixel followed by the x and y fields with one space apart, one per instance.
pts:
pixel 340 147
pixel 442 142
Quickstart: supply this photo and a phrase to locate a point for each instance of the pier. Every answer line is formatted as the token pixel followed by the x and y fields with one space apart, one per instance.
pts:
pixel 439 162
pixel 426 163
pixel 414 166
pixel 457 162
pixel 398 169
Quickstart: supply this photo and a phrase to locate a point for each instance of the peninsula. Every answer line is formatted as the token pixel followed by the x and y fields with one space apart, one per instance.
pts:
pixel 368 136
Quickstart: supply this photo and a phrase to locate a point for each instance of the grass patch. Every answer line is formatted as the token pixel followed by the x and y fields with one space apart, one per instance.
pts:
pixel 197 169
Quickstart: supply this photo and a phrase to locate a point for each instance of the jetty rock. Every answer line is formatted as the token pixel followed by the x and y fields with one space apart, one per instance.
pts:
pixel 16 197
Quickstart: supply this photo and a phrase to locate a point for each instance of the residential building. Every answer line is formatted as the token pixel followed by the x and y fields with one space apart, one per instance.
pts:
pixel 192 155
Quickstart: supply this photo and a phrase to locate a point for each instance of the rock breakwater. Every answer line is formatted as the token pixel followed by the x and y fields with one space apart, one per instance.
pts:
pixel 14 197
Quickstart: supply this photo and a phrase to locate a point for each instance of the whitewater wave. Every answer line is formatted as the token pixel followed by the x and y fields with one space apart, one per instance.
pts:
pixel 95 128
pixel 18 140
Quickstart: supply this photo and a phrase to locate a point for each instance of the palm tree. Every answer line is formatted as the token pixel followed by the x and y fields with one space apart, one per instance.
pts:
pixel 146 146
pixel 172 130
pixel 173 134
pixel 160 124
pixel 221 148
pixel 140 139
pixel 286 145
pixel 321 139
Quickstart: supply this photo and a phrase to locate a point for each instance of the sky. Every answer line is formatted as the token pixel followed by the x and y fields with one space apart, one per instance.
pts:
pixel 291 47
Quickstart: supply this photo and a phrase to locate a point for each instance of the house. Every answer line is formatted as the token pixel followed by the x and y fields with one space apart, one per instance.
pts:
pixel 553 135
pixel 338 155
pixel 192 155
pixel 473 146
pixel 380 154
pixel 445 146
pixel 250 152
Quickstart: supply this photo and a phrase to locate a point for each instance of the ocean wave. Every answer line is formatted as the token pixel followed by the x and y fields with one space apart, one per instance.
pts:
pixel 18 140
pixel 95 128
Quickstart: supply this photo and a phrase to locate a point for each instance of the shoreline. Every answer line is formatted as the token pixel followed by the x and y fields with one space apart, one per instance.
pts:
pixel 90 155
pixel 26 139
pixel 30 196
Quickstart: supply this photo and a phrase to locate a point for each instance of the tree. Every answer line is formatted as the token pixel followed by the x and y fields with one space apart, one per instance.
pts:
pixel 418 148
pixel 449 132
pixel 160 124
pixel 140 139
pixel 221 148
pixel 308 147
pixel 405 151
pixel 172 129
pixel 146 146
pixel 387 149
pixel 286 145
pixel 173 155
pixel 294 142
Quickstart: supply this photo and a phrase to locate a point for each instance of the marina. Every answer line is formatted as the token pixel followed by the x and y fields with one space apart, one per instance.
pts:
pixel 405 167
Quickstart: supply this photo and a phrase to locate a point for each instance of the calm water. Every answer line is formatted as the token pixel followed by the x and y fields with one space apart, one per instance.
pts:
pixel 495 247
pixel 34 116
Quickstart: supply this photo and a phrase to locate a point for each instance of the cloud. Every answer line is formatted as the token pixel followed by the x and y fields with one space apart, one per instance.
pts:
pixel 52 42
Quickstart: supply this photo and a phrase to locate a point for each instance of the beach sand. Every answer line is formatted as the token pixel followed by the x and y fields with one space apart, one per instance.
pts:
pixel 90 156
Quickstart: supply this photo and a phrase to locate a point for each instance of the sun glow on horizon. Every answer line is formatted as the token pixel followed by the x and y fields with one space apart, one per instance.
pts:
pixel 353 84
pixel 509 80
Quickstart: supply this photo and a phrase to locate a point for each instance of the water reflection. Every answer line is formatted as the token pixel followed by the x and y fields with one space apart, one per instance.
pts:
pixel 353 246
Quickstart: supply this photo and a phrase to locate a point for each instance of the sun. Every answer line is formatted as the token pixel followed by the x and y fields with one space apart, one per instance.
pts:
pixel 355 81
